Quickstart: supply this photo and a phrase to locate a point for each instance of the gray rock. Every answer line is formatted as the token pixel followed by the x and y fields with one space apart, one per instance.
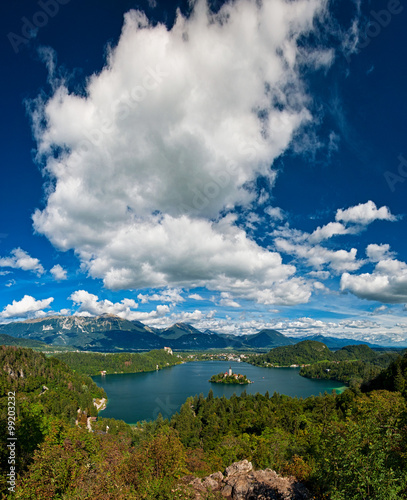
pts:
pixel 227 490
pixel 217 476
pixel 242 467
pixel 209 482
pixel 241 488
pixel 241 482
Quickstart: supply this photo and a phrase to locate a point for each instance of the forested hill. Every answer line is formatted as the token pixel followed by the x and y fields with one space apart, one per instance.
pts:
pixel 33 344
pixel 394 378
pixel 47 384
pixel 305 352
pixel 87 363
pixel 45 391
pixel 310 352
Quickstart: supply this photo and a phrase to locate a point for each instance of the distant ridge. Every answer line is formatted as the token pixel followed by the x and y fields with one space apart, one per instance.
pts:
pixel 178 330
pixel 334 342
pixel 108 333
pixel 13 341
pixel 267 339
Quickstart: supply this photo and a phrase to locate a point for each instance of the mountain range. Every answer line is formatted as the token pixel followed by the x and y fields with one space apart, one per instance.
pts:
pixel 109 333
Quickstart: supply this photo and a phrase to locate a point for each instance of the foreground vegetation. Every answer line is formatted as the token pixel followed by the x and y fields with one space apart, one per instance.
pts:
pixel 347 446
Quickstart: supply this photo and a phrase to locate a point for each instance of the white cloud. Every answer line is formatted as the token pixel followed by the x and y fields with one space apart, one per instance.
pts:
pixel 364 214
pixel 320 286
pixel 275 213
pixel 358 216
pixel 169 295
pixel 387 283
pixel 90 305
pixel 226 300
pixel 333 143
pixel 331 229
pixel 322 275
pixel 380 309
pixel 290 292
pixel 318 256
pixel 170 134
pixel 58 272
pixel 187 317
pixel 20 259
pixel 151 317
pixel 195 296
pixel 376 253
pixel 26 307
pixel 306 246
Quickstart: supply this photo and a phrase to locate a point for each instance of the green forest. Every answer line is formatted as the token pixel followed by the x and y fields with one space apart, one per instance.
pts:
pixel 87 363
pixel 352 373
pixel 311 352
pixel 346 446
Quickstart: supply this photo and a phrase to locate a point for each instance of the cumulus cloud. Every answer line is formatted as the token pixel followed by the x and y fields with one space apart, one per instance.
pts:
pixel 151 317
pixel 171 133
pixel 275 213
pixel 170 295
pixel 364 213
pixel 329 230
pixel 387 283
pixel 226 300
pixel 90 303
pixel 322 275
pixel 189 317
pixel 306 246
pixel 195 296
pixel 58 272
pixel 355 218
pixel 26 307
pixel 318 256
pixel 376 253
pixel 20 259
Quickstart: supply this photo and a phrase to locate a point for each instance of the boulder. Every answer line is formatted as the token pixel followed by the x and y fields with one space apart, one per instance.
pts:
pixel 217 476
pixel 241 488
pixel 242 467
pixel 210 483
pixel 241 482
pixel 227 491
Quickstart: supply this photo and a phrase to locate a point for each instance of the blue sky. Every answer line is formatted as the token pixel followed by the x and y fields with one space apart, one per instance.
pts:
pixel 237 166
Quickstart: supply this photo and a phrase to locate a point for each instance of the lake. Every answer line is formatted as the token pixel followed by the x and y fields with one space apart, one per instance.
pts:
pixel 133 397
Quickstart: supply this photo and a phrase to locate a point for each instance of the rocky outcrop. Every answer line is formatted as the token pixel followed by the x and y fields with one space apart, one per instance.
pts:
pixel 241 482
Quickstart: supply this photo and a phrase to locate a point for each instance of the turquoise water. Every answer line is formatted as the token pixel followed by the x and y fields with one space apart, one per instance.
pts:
pixel 142 396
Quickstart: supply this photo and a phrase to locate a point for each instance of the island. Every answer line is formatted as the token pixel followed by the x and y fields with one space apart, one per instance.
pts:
pixel 230 378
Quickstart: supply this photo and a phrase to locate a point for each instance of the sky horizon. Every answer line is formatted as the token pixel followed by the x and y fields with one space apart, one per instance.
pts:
pixel 236 166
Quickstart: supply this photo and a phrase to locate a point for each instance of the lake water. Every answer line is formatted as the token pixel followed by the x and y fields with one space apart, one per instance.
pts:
pixel 142 396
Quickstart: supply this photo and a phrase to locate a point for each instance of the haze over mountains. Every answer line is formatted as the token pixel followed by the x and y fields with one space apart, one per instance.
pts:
pixel 109 333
